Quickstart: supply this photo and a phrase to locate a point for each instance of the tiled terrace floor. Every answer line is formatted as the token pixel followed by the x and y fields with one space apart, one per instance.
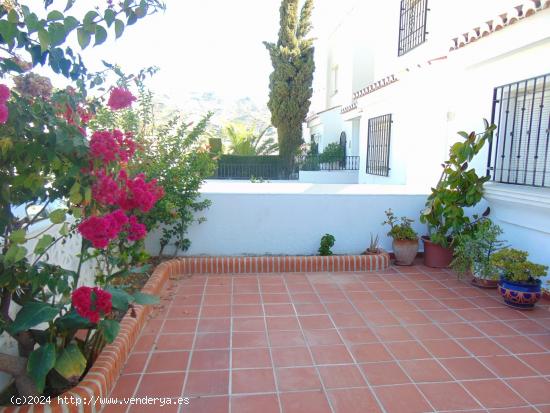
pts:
pixel 403 340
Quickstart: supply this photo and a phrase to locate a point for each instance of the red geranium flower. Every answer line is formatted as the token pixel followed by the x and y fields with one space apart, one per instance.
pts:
pixel 92 303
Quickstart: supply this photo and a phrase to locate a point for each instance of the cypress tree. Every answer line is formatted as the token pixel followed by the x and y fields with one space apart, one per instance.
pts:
pixel 290 83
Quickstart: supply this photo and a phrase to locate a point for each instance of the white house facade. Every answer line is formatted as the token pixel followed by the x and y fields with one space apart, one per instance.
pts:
pixel 400 78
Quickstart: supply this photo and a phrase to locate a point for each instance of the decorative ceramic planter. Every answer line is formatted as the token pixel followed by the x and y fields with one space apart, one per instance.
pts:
pixel 519 295
pixel 405 251
pixel 436 256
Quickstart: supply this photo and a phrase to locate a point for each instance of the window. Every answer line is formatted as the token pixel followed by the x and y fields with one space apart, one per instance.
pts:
pixel 378 145
pixel 334 80
pixel 519 153
pixel 412 25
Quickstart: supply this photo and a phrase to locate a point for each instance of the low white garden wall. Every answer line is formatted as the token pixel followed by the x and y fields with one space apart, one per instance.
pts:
pixel 290 217
pixel 329 177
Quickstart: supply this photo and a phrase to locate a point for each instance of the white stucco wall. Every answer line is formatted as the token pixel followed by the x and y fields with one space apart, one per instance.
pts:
pixel 328 177
pixel 290 218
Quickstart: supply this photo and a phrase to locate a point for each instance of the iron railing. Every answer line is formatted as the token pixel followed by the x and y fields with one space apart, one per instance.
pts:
pixel 314 163
pixel 378 145
pixel 412 25
pixel 519 153
pixel 251 171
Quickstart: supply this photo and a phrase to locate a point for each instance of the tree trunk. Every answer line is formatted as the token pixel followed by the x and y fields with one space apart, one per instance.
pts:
pixel 17 367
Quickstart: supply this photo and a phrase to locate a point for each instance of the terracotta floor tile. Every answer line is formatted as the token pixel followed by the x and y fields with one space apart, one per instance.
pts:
pixel 202 383
pixel 168 361
pixel 125 386
pixel 443 316
pixel 145 343
pixel 216 311
pixel 210 360
pixel 527 327
pixel 481 346
pixel 407 350
pixel 507 366
pixel 253 381
pixel 241 299
pixel 161 385
pixel 211 341
pixel 291 356
pixel 315 322
pixel 353 400
pixel 180 326
pixel 466 368
pixel 286 338
pixel 384 373
pixel 371 352
pixel 300 402
pixel 249 324
pixel 358 335
pixel 264 403
pixel 425 371
pixel 214 325
pixel 167 342
pixel 279 310
pixel 341 376
pixel 347 320
pixel 384 318
pixel 392 333
pixel 519 344
pixel 533 389
pixel 493 393
pixel 249 339
pixel 427 332
pixel 298 378
pixel 448 396
pixel 217 404
pixel 282 323
pixel 461 330
pixel 322 337
pixel 539 362
pixel 250 358
pixel 444 348
pixel 310 309
pixel 402 399
pixel 334 354
pixel 304 298
pixel 135 363
pixel 253 310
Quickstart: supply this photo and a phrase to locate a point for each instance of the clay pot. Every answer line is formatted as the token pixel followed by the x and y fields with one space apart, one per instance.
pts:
pixel 436 256
pixel 405 251
pixel 484 283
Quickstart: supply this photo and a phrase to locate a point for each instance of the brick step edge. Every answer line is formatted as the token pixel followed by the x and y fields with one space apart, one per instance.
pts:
pixel 278 264
pixel 102 377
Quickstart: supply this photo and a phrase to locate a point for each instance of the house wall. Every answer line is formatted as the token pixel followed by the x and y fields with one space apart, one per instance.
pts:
pixel 328 177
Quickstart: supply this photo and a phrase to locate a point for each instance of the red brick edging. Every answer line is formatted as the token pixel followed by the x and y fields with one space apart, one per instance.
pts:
pixel 102 377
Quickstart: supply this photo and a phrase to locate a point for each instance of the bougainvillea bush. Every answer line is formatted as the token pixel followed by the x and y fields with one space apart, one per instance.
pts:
pixel 50 159
pixel 173 150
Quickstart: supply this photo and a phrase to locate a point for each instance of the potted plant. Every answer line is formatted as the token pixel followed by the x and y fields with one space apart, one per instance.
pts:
pixel 520 284
pixel 472 253
pixel 374 246
pixel 458 188
pixel 405 239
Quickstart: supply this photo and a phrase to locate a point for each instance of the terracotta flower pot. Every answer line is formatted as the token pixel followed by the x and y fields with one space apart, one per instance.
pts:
pixel 436 256
pixel 484 283
pixel 405 251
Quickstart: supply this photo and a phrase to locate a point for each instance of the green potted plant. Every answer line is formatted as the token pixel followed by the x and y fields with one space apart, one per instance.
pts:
pixel 374 245
pixel 333 152
pixel 458 188
pixel 520 284
pixel 405 239
pixel 327 242
pixel 472 253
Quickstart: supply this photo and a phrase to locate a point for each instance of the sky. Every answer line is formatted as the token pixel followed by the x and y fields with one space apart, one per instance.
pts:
pixel 200 46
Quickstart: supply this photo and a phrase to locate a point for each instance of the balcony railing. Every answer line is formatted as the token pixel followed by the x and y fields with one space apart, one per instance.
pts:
pixel 313 163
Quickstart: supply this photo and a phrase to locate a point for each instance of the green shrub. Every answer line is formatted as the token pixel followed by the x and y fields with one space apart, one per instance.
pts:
pixel 400 231
pixel 334 152
pixel 515 267
pixel 327 242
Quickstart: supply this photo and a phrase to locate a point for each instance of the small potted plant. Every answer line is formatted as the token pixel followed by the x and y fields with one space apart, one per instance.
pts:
pixel 458 188
pixel 374 246
pixel 405 239
pixel 520 284
pixel 472 253
pixel 327 242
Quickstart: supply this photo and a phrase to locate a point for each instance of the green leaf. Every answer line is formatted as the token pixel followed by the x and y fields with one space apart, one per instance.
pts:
pixel 58 216
pixel 72 321
pixel 70 23
pixel 88 21
pixel 145 299
pixel 32 22
pixel 64 230
pixel 74 194
pixel 119 28
pixel 15 254
pixel 100 35
pixel 32 314
pixel 13 17
pixel 110 16
pixel 71 363
pixel 110 329
pixel 44 38
pixel 44 242
pixel 55 15
pixel 18 236
pixel 83 38
pixel 41 361
pixel 120 298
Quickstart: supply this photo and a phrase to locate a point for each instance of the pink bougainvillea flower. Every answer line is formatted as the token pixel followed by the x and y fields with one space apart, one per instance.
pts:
pixel 4 93
pixel 140 194
pixel 100 231
pixel 136 230
pixel 105 190
pixel 92 303
pixel 4 113
pixel 120 98
pixel 108 146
